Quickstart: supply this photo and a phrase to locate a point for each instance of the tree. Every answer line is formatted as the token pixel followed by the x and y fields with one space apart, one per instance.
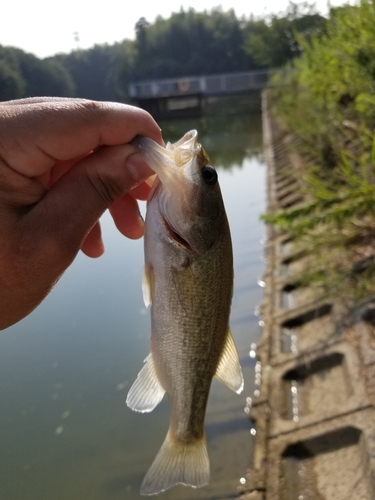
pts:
pixel 40 76
pixel 191 43
pixel 275 40
pixel 12 86
pixel 96 71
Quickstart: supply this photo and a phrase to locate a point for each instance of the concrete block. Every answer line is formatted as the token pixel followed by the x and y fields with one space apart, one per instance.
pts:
pixel 319 387
pixel 308 328
pixel 364 328
pixel 292 296
pixel 292 266
pixel 333 460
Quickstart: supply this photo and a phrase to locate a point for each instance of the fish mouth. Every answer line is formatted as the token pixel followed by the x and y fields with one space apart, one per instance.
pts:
pixel 175 236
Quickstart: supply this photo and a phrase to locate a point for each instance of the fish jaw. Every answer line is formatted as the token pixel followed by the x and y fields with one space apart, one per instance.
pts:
pixel 172 164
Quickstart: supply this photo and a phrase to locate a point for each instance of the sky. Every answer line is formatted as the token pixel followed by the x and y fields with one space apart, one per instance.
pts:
pixel 45 27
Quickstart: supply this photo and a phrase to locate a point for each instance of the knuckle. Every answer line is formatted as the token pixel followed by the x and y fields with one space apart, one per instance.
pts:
pixel 106 186
pixel 92 107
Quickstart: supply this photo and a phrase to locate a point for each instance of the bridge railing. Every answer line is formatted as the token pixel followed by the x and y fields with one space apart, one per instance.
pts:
pixel 227 83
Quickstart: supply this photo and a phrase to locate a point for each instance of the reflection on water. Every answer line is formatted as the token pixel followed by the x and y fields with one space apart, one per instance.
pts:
pixel 230 131
pixel 66 432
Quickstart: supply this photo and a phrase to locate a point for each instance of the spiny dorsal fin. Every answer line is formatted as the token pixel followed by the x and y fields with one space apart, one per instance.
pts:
pixel 146 392
pixel 229 369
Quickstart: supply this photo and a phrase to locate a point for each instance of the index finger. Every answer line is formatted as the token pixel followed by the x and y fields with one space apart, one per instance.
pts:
pixel 34 134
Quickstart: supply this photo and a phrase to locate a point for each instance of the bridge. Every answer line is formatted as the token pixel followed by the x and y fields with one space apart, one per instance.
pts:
pixel 227 83
pixel 184 96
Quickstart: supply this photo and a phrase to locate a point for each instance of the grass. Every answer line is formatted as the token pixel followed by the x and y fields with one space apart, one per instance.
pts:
pixel 327 101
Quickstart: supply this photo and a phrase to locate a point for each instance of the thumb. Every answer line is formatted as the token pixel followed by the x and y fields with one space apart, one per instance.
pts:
pixel 75 203
pixel 53 230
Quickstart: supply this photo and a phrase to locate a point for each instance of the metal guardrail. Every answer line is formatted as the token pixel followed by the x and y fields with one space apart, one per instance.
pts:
pixel 227 83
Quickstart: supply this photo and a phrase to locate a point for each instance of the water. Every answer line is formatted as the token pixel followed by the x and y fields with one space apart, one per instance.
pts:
pixel 65 430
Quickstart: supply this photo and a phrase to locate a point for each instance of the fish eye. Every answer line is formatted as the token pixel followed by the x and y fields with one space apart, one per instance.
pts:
pixel 209 174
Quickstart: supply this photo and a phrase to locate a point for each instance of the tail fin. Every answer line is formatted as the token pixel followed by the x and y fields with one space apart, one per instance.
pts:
pixel 177 463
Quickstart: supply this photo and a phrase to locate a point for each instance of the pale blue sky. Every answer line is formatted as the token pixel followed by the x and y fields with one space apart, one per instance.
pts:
pixel 44 27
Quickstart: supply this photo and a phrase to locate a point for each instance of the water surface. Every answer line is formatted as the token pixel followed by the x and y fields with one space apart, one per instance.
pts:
pixel 65 431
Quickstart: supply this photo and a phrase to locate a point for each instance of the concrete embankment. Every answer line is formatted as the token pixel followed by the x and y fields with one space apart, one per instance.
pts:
pixel 313 409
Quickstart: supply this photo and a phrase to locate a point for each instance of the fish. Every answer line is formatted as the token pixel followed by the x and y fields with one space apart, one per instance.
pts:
pixel 188 284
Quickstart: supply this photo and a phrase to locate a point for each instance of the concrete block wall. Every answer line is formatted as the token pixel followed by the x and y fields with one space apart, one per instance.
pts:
pixel 314 411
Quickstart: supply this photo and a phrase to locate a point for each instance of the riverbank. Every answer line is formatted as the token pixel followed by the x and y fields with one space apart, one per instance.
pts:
pixel 314 407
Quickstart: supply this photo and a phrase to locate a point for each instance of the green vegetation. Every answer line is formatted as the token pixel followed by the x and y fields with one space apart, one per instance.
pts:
pixel 188 43
pixel 276 39
pixel 191 43
pixel 328 102
pixel 23 74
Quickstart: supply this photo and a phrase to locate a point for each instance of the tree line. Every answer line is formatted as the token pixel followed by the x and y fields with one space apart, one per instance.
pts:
pixel 187 43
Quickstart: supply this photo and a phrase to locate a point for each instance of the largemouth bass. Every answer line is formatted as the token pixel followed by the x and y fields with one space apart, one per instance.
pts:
pixel 188 281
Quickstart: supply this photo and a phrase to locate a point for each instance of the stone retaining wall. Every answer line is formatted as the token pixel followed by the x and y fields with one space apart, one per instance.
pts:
pixel 313 411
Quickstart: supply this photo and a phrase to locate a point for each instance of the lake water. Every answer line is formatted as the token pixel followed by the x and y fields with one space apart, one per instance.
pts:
pixel 65 430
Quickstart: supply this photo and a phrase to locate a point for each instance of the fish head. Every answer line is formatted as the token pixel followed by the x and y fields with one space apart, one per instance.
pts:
pixel 187 190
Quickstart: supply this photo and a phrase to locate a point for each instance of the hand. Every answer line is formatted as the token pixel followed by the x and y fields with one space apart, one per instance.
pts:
pixel 63 162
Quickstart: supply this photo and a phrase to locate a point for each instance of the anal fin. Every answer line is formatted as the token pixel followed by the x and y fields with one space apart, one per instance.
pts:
pixel 229 369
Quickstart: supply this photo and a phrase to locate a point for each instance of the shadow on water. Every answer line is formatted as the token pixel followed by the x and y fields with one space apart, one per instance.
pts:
pixel 119 485
pixel 216 429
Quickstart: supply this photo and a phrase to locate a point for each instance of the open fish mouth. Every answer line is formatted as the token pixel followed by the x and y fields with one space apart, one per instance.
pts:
pixel 175 236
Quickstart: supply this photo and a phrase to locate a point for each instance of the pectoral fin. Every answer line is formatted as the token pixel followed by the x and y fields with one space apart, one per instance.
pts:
pixel 146 392
pixel 229 369
pixel 146 286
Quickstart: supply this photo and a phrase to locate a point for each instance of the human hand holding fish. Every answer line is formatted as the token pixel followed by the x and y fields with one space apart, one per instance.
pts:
pixel 188 282
pixel 63 162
